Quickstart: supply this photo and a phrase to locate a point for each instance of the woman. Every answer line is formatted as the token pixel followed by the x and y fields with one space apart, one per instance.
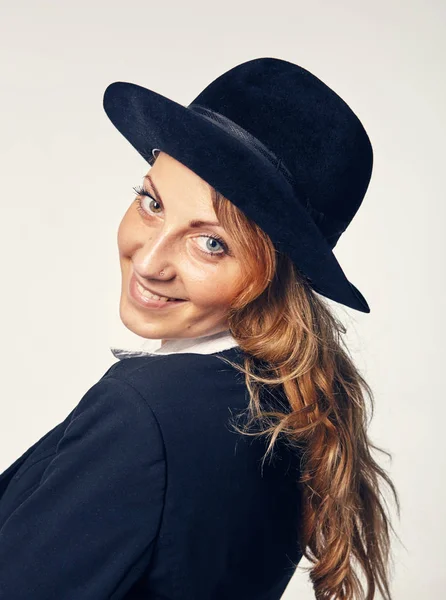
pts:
pixel 206 465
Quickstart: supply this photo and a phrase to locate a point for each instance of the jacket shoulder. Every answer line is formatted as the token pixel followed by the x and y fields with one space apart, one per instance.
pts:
pixel 102 487
pixel 171 379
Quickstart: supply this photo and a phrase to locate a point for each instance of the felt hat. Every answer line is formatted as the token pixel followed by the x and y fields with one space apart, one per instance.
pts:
pixel 278 143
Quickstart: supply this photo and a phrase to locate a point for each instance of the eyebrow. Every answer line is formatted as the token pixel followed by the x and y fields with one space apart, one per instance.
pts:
pixel 195 223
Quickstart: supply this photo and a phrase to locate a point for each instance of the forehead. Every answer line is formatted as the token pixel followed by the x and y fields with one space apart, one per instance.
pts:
pixel 175 185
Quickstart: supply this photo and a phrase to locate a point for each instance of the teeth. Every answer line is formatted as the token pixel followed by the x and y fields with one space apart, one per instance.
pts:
pixel 147 294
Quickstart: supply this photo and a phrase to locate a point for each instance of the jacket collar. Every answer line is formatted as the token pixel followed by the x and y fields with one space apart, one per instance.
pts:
pixel 207 344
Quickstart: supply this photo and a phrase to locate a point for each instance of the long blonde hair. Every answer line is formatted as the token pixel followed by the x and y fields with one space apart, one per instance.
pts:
pixel 294 343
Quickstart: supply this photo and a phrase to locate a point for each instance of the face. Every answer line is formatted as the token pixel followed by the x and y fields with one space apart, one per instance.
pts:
pixel 160 247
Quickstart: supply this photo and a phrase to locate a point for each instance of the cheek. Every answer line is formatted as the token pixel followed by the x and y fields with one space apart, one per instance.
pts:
pixel 216 289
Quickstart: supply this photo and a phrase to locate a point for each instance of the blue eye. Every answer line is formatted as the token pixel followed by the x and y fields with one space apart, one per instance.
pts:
pixel 141 192
pixel 215 238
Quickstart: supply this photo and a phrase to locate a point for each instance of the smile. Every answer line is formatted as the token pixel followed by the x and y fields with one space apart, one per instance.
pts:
pixel 146 293
pixel 148 300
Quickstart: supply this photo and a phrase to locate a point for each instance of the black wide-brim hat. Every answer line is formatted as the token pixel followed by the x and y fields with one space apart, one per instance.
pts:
pixel 275 141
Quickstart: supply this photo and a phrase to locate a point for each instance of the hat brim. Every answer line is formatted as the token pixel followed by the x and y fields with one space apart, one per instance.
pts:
pixel 239 172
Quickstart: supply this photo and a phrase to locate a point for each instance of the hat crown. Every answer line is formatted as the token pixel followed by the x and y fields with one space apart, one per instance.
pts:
pixel 309 129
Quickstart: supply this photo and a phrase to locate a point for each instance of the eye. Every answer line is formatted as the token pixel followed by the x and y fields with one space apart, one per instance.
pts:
pixel 141 192
pixel 213 239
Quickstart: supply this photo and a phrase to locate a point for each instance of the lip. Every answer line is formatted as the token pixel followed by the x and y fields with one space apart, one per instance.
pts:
pixel 148 302
pixel 149 290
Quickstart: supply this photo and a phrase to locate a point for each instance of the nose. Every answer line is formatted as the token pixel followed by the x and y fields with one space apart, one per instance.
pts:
pixel 157 257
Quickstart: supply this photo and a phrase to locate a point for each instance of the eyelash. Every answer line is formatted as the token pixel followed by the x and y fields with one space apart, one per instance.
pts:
pixel 140 191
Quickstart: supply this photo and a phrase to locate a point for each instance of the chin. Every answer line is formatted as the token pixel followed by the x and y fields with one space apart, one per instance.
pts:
pixel 144 324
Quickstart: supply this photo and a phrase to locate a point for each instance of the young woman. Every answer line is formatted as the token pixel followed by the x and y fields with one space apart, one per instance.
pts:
pixel 235 442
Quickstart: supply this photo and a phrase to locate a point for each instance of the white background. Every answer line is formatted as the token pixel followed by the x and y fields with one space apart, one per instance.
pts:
pixel 67 177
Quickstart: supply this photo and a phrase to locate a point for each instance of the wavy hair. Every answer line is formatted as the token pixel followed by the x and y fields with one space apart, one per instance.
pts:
pixel 293 343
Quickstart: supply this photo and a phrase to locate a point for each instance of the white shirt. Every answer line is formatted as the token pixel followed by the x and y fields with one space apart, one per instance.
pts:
pixel 200 345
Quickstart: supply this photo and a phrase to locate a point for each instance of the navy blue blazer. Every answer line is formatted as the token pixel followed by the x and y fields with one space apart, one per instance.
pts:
pixel 145 492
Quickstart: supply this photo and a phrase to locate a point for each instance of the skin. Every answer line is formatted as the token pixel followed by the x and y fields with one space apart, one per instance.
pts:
pixel 194 267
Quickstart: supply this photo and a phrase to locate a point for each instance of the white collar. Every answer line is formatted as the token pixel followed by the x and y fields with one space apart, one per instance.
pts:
pixel 207 344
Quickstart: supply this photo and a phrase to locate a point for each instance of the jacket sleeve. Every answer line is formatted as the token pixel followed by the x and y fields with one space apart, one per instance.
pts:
pixel 88 528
